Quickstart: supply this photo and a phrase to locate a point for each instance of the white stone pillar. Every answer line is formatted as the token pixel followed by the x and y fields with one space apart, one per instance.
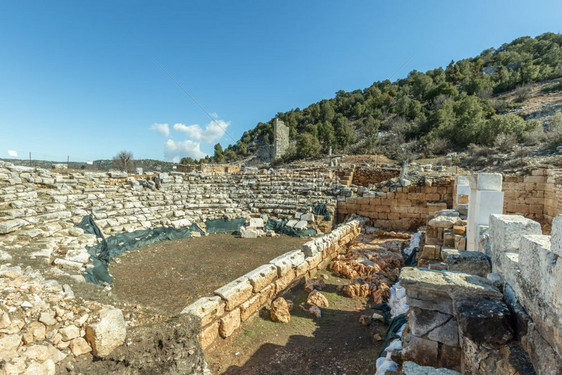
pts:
pixel 486 198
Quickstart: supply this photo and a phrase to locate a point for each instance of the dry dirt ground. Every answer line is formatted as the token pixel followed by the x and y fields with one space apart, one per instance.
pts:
pixel 168 276
pixel 336 343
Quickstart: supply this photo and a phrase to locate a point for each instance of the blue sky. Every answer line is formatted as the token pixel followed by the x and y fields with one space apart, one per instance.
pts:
pixel 77 78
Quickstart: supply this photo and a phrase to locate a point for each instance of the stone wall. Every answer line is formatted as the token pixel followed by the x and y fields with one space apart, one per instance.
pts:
pixel 280 139
pixel 529 264
pixel 365 176
pixel 243 298
pixel 400 208
pixel 537 196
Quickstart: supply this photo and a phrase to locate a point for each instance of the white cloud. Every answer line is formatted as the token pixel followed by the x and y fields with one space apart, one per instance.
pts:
pixel 12 153
pixel 176 150
pixel 161 128
pixel 213 131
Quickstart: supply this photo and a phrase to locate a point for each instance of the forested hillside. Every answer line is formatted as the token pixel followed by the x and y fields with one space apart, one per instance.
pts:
pixel 426 113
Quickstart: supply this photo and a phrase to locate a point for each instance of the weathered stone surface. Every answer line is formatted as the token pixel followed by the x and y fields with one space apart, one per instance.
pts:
pixel 484 321
pixel 556 231
pixel 508 359
pixel 472 262
pixel 229 323
pixel 424 321
pixel 262 276
pixel 235 292
pixel 209 334
pixel 45 368
pixel 443 222
pixel 419 350
pixel 506 231
pixel 411 368
pixel 447 333
pixel 70 332
pixel 108 333
pixel 280 310
pixel 79 346
pixel 8 346
pixel 250 307
pixel 542 355
pixel 316 298
pixel 454 284
pixel 9 226
pixel 207 309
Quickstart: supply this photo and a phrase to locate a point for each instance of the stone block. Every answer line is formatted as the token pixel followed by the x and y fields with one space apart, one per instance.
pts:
pixel 229 323
pixel 447 333
pixel 459 229
pixel 484 321
pixel 506 231
pixel 262 276
pixel 456 285
pixel 249 308
pixel 422 321
pixel 235 293
pixel 107 334
pixel 208 309
pixel 556 239
pixel 431 252
pixel 486 181
pixel 284 264
pixel 9 226
pixel 421 351
pixel 471 262
pixel 284 281
pixel 412 368
pixel 450 357
pixel 209 334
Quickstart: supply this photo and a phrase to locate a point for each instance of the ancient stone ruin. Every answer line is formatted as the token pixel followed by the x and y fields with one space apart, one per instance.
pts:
pixel 481 292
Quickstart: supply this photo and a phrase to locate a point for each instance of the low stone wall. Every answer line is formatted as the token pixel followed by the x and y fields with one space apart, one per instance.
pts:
pixel 401 208
pixel 243 298
pixel 365 176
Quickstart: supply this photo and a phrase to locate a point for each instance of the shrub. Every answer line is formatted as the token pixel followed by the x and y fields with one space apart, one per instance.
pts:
pixel 505 142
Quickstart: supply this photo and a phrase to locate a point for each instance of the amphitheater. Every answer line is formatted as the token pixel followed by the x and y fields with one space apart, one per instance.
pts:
pixel 475 286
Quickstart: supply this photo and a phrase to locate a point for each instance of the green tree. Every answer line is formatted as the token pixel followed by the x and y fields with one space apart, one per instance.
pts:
pixel 219 155
pixel 307 145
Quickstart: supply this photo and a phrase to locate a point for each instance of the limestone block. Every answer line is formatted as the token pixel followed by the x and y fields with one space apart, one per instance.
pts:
pixel 108 333
pixel 486 181
pixel 229 323
pixel 262 276
pixel 472 262
pixel 8 346
pixel 284 281
pixel 454 284
pixel 256 223
pixel 249 308
pixel 484 320
pixel 556 231
pixel 544 358
pixel 9 226
pixel 431 252
pixel 424 321
pixel 447 333
pixel 412 368
pixel 235 292
pixel 421 351
pixel 309 248
pixel 208 309
pixel 283 263
pixel 209 334
pixel 506 231
pixel 430 301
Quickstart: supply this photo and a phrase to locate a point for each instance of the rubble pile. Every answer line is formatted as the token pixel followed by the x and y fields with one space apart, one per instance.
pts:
pixel 42 323
pixel 372 265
